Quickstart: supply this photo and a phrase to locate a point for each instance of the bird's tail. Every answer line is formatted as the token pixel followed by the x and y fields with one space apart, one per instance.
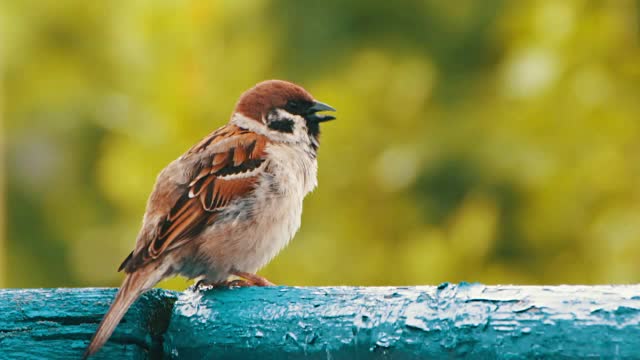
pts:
pixel 133 286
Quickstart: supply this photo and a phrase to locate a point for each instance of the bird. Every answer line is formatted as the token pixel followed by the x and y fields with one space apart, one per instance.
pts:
pixel 231 203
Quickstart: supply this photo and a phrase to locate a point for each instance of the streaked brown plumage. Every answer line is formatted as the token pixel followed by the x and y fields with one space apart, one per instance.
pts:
pixel 231 202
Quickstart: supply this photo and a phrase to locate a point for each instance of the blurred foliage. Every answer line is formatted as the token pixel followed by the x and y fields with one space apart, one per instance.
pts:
pixel 486 141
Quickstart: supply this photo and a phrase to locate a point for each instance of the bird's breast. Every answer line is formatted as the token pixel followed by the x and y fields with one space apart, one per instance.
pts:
pixel 251 231
pixel 290 175
pixel 294 171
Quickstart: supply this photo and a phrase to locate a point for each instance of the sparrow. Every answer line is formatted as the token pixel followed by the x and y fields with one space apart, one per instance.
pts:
pixel 231 203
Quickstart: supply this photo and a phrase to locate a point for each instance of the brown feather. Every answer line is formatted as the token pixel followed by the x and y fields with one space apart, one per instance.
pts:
pixel 219 162
pixel 257 101
pixel 258 148
pixel 210 190
pixel 181 206
pixel 197 187
pixel 204 172
pixel 134 285
pixel 239 155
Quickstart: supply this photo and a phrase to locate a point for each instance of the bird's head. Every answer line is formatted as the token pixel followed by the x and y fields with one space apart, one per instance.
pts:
pixel 281 110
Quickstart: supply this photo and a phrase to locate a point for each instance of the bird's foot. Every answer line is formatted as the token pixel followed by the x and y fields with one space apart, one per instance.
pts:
pixel 252 279
pixel 246 280
pixel 203 284
pixel 196 286
pixel 237 283
pixel 226 284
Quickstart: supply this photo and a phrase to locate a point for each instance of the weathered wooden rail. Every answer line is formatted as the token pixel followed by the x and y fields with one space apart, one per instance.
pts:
pixel 449 321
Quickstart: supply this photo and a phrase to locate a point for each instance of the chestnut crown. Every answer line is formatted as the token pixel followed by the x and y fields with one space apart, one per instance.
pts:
pixel 257 102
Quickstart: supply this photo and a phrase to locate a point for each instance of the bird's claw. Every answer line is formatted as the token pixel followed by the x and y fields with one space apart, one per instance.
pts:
pixel 246 280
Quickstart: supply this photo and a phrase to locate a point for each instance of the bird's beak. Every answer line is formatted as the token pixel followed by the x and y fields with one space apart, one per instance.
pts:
pixel 320 106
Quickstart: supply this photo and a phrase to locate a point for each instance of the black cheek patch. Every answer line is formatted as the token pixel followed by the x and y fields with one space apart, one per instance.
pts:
pixel 285 126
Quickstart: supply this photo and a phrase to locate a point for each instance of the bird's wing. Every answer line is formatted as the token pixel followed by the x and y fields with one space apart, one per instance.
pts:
pixel 228 164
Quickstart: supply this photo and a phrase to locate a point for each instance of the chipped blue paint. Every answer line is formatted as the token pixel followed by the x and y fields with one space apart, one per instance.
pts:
pixel 470 321
pixel 58 323
pixel 449 321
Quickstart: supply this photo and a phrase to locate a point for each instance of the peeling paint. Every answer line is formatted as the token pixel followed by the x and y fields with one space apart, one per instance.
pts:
pixel 58 323
pixel 469 320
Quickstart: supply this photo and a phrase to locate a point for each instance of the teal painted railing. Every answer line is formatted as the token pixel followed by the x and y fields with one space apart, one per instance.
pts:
pixel 449 321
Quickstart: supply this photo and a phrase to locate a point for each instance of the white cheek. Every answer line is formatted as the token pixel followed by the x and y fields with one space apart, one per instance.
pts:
pixel 299 134
pixel 299 123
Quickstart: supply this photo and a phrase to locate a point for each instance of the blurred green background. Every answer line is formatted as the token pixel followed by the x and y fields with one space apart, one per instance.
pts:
pixel 492 141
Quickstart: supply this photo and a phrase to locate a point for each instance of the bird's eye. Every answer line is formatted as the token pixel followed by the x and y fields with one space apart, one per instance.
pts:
pixel 293 106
